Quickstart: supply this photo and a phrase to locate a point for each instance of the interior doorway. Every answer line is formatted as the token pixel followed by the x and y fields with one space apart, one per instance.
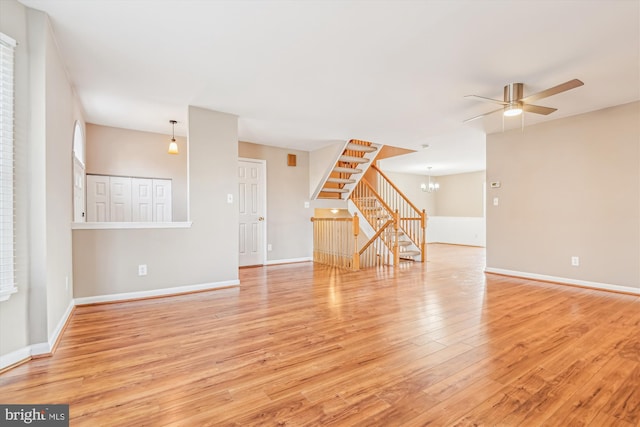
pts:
pixel 252 201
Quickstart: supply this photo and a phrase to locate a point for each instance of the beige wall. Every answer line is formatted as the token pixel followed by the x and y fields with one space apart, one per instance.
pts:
pixel 460 195
pixel 570 187
pixel 125 152
pixel 46 110
pixel 321 163
pixel 61 113
pixel 289 229
pixel 105 261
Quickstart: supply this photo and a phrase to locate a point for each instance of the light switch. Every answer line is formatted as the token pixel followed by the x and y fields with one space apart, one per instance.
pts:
pixel 496 202
pixel 229 198
pixel 306 204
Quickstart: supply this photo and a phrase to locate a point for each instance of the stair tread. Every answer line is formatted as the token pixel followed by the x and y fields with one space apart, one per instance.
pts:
pixel 363 148
pixel 409 253
pixel 353 159
pixel 334 190
pixel 341 169
pixel 341 180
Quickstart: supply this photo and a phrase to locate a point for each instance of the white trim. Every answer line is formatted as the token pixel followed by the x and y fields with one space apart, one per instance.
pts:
pixel 288 261
pixel 58 330
pixel 15 357
pixel 128 225
pixel 39 348
pixel 564 280
pixel 155 292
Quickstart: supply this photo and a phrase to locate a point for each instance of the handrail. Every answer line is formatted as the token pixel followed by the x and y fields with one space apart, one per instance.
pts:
pixel 377 250
pixel 412 221
pixel 386 178
pixel 375 236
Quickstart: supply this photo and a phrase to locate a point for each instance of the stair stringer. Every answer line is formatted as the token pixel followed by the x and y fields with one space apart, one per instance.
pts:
pixel 349 187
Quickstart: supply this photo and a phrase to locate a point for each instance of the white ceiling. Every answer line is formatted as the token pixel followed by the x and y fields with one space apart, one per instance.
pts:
pixel 300 74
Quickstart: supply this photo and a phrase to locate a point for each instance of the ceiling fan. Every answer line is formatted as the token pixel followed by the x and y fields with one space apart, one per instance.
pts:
pixel 514 104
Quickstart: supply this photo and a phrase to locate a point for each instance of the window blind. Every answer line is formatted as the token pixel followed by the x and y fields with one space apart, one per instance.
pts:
pixel 7 258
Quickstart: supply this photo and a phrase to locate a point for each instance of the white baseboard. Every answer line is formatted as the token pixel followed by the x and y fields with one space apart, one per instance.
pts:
pixel 39 348
pixel 53 339
pixel 288 261
pixel 155 292
pixel 15 357
pixel 564 280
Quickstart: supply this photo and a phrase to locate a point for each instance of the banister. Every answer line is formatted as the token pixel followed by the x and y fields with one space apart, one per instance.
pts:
pixel 395 188
pixel 375 236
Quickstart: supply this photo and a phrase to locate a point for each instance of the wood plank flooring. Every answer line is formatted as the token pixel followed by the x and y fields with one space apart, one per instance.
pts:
pixel 302 344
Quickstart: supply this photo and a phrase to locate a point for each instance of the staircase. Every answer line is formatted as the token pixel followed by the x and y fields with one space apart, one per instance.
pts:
pixel 367 203
pixel 394 227
pixel 347 171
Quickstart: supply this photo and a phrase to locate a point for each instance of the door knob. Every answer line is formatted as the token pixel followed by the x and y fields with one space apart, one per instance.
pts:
pixel 261 218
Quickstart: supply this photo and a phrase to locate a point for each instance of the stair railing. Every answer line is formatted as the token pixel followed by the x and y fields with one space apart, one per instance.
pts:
pixel 335 242
pixel 411 220
pixel 373 207
pixel 382 219
pixel 376 251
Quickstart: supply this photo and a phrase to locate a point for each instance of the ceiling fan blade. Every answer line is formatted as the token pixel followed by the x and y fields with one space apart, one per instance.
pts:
pixel 538 109
pixel 482 98
pixel 482 115
pixel 571 84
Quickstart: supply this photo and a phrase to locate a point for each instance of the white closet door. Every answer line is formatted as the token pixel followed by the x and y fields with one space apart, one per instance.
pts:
pixel 141 199
pixel 162 210
pixel 120 206
pixel 97 198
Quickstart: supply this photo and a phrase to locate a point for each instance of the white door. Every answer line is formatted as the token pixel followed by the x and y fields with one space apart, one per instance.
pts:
pixel 141 199
pixel 78 191
pixel 97 198
pixel 251 204
pixel 162 200
pixel 120 194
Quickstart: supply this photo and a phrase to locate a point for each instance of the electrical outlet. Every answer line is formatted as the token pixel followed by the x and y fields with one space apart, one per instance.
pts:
pixel 229 198
pixel 496 201
pixel 269 247
pixel 575 261
pixel 142 270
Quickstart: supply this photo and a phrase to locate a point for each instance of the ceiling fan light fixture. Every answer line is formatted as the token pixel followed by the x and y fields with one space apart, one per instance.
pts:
pixel 512 110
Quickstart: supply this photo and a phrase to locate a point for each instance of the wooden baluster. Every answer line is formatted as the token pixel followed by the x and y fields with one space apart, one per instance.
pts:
pixel 423 238
pixel 396 246
pixel 356 254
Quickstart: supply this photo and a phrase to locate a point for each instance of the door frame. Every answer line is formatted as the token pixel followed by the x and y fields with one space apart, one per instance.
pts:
pixel 263 196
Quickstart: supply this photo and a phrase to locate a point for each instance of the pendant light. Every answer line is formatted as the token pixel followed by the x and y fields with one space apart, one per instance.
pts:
pixel 173 145
pixel 432 185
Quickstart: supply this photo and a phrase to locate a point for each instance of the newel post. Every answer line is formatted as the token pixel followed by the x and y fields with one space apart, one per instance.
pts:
pixel 423 240
pixel 396 246
pixel 356 253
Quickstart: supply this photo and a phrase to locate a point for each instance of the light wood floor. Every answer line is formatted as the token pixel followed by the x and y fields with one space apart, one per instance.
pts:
pixel 302 344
